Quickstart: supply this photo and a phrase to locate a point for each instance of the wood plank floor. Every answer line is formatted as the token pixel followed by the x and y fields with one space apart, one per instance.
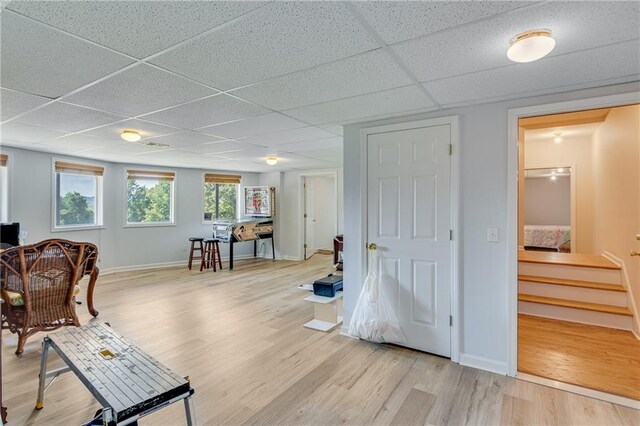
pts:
pixel 599 358
pixel 239 336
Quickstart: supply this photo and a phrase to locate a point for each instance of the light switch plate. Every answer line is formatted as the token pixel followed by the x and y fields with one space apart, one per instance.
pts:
pixel 493 235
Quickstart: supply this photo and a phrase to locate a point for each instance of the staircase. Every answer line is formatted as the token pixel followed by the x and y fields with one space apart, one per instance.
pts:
pixel 573 287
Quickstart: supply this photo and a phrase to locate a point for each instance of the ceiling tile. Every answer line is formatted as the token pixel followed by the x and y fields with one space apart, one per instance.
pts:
pixel 46 62
pixel 140 90
pixel 289 136
pixel 397 20
pixel 325 152
pixel 357 75
pixel 75 144
pixel 279 39
pixel 185 139
pixel 15 103
pixel 575 26
pixel 336 129
pixel 305 146
pixel 601 66
pixel 145 128
pixel 67 118
pixel 375 104
pixel 266 123
pixel 22 133
pixel 121 150
pixel 137 28
pixel 205 112
pixel 222 147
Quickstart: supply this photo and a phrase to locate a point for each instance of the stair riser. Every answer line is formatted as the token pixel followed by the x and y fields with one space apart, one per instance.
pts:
pixel 609 276
pixel 603 297
pixel 601 319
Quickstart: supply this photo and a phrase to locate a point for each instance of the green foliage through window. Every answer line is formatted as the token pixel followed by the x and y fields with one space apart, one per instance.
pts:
pixel 220 201
pixel 76 200
pixel 149 201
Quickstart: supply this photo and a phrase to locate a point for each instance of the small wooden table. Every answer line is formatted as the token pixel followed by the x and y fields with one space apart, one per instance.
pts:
pixel 126 381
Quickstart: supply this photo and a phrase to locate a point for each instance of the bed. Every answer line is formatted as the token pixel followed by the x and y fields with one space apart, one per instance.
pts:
pixel 555 238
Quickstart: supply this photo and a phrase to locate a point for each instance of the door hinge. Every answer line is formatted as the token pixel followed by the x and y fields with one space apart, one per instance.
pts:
pixel 450 320
pixel 450 149
pixel 305 246
pixel 450 234
pixel 305 215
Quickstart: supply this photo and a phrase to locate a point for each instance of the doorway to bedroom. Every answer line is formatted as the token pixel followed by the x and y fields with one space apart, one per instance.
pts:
pixel 578 220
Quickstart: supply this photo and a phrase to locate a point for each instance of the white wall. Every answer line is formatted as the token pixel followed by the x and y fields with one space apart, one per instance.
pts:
pixel 30 189
pixel 547 202
pixel 483 180
pixel 574 152
pixel 616 158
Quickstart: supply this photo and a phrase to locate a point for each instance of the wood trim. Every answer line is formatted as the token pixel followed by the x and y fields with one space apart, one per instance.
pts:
pixel 64 167
pixel 4 159
pixel 572 283
pixel 575 304
pixel 567 259
pixel 149 174
pixel 224 179
pixel 565 119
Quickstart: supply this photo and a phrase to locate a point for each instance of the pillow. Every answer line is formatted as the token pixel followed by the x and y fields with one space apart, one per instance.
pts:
pixel 13 298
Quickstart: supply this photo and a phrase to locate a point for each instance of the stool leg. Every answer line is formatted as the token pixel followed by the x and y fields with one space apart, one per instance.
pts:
pixel 191 254
pixel 219 259
pixel 212 259
pixel 43 373
pixel 203 261
pixel 189 411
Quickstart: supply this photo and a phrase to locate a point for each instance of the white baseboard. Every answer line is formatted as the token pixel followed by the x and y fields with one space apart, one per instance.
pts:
pixel 483 364
pixel 161 265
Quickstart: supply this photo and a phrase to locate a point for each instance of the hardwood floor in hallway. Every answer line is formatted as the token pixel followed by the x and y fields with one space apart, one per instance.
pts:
pixel 239 336
pixel 594 357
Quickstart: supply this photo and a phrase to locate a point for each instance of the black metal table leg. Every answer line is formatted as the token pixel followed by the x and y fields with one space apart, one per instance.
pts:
pixel 230 255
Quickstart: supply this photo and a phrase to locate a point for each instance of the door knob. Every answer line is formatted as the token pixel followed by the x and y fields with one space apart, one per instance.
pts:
pixel 634 253
pixel 372 246
pixel 638 237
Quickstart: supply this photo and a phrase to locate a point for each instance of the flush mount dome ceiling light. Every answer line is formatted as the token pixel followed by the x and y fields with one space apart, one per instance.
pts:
pixel 272 161
pixel 130 135
pixel 530 46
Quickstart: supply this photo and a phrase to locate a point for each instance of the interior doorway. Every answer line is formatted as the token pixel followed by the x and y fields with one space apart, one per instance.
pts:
pixel 578 197
pixel 320 212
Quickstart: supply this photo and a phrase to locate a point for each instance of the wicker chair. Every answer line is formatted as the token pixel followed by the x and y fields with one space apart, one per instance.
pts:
pixel 38 283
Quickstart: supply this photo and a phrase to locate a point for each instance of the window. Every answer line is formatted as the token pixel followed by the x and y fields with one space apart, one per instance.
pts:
pixel 150 197
pixel 220 196
pixel 4 188
pixel 78 195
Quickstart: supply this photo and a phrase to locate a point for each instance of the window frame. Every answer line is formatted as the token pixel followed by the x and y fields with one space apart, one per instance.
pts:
pixel 99 197
pixel 238 199
pixel 5 188
pixel 173 195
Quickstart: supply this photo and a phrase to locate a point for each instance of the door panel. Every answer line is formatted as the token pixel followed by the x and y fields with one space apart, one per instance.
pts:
pixel 409 216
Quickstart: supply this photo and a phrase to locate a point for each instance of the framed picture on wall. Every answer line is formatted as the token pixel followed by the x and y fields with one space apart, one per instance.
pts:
pixel 259 201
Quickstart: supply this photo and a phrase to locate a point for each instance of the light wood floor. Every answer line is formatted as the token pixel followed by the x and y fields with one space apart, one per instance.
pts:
pixel 239 336
pixel 599 358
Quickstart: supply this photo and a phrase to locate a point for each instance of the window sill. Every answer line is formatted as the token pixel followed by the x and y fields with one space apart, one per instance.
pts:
pixel 78 228
pixel 148 225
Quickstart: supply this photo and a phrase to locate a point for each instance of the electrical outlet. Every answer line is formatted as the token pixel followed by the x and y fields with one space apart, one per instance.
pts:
pixel 493 235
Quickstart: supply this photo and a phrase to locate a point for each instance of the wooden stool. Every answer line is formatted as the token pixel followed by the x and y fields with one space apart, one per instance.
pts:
pixel 211 250
pixel 195 248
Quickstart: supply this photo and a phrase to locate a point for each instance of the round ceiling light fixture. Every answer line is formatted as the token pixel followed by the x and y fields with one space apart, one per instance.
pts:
pixel 272 161
pixel 130 135
pixel 557 138
pixel 530 46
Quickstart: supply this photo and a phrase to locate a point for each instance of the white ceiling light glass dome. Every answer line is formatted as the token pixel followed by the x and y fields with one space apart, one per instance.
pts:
pixel 530 46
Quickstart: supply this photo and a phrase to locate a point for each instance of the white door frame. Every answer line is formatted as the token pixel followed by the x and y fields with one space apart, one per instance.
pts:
pixel 455 217
pixel 301 205
pixel 513 115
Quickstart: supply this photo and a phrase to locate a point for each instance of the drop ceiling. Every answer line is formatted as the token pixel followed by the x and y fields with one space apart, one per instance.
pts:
pixel 223 85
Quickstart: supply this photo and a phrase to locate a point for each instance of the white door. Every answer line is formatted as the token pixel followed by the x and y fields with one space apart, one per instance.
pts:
pixel 309 247
pixel 409 216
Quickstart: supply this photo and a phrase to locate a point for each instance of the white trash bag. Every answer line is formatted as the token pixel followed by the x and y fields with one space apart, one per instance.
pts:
pixel 373 317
